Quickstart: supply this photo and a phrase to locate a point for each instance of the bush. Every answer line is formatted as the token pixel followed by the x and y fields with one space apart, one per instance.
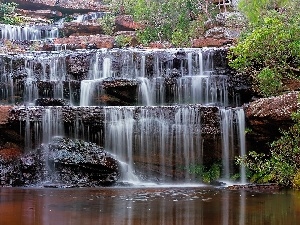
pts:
pixel 107 24
pixel 282 165
pixel 206 174
pixel 7 14
pixel 166 20
pixel 123 40
pixel 271 51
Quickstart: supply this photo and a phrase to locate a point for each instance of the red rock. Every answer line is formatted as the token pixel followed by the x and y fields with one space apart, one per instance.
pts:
pixel 209 42
pixel 80 29
pixel 277 108
pixel 9 154
pixel 159 44
pixel 126 23
pixel 82 42
pixel 4 113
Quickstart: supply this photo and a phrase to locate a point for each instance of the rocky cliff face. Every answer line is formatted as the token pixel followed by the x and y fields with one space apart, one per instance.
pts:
pixel 266 116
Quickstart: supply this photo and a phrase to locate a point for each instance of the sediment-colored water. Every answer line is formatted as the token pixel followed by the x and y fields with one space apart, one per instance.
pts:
pixel 147 206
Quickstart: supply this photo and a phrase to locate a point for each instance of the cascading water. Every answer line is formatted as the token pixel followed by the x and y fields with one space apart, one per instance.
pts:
pixel 162 138
pixel 42 70
pixel 156 137
pixel 189 81
pixel 12 32
pixel 232 126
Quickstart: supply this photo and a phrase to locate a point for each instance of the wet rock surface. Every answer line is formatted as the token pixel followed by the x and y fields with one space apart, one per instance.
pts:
pixel 51 102
pixel 63 161
pixel 79 162
pixel 256 187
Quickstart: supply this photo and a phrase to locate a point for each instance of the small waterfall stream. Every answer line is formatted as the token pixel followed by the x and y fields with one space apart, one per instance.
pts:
pixel 182 108
pixel 28 32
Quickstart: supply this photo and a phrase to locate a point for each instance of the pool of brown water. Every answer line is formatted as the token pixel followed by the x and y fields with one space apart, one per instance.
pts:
pixel 147 206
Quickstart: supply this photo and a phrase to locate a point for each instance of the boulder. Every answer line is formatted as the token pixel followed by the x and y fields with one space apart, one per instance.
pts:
pixel 80 29
pixel 126 23
pixel 63 161
pixel 266 115
pixel 76 161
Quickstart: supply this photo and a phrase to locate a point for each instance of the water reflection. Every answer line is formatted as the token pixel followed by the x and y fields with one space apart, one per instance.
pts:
pixel 164 206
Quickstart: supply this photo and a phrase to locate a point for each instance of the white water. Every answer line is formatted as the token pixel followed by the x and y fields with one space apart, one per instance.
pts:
pixel 153 139
pixel 233 136
pixel 52 124
pixel 96 76
pixel 195 84
pixel 48 68
pixel 242 142
pixel 12 32
pixel 152 135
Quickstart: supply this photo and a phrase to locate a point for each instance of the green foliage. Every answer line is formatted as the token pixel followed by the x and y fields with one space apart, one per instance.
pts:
pixel 283 164
pixel 269 82
pixel 296 180
pixel 166 20
pixel 7 14
pixel 107 24
pixel 123 40
pixel 256 9
pixel 206 174
pixel 270 53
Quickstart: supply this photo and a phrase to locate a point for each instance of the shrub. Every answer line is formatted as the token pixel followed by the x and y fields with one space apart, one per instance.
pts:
pixel 123 40
pixel 166 20
pixel 269 53
pixel 282 165
pixel 207 174
pixel 7 14
pixel 107 24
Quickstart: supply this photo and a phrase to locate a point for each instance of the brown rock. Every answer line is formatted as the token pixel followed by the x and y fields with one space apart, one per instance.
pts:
pixel 209 42
pixel 277 108
pixel 126 23
pixel 10 154
pixel 266 116
pixel 4 114
pixel 161 45
pixel 83 42
pixel 80 29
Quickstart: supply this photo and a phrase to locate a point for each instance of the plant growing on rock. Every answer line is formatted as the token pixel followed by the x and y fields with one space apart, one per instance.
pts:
pixel 172 21
pixel 7 14
pixel 207 174
pixel 107 24
pixel 270 51
pixel 282 164
pixel 123 40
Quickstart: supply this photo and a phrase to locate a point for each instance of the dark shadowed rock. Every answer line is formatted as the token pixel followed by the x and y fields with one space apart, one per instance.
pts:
pixel 64 161
pixel 75 161
pixel 51 102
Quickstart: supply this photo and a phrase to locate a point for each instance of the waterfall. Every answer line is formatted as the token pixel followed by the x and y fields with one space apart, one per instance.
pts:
pixel 45 69
pixel 233 135
pixel 242 142
pixel 193 82
pixel 119 138
pixel 227 140
pixel 179 95
pixel 12 32
pixel 153 138
pixel 51 124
